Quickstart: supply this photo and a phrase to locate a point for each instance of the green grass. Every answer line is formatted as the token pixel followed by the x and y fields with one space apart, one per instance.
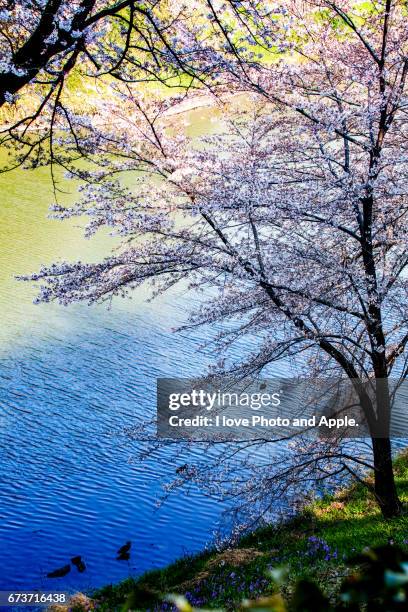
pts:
pixel 316 544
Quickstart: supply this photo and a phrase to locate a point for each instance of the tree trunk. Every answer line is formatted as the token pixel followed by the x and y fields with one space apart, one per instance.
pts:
pixel 384 482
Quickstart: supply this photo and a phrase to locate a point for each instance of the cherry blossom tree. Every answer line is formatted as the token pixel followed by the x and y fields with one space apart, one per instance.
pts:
pixel 45 44
pixel 42 41
pixel 295 216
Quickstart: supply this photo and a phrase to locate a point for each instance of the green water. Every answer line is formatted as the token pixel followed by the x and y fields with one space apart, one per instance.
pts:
pixel 29 239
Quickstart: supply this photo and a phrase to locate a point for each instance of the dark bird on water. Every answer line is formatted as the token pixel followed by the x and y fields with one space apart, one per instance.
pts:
pixel 124 552
pixel 125 548
pixel 79 564
pixel 60 572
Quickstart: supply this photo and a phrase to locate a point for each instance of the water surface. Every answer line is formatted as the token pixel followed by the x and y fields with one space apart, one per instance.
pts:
pixel 71 379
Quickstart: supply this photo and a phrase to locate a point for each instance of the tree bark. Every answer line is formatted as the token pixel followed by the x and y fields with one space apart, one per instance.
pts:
pixel 384 481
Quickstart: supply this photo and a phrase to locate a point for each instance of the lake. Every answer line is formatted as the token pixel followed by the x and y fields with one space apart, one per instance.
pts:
pixel 71 379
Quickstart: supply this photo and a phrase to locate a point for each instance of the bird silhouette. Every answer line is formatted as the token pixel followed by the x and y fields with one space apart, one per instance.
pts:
pixel 124 552
pixel 60 572
pixel 79 564
pixel 125 548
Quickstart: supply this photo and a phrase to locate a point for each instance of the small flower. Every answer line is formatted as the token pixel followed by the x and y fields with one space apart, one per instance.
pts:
pixel 9 97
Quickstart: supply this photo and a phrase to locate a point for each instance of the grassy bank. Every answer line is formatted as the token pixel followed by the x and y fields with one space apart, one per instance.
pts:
pixel 316 544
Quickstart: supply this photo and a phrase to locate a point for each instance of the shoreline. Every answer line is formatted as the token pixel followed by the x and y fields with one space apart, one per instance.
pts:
pixel 314 545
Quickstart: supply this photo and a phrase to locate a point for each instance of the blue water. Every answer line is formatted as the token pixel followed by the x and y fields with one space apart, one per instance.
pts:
pixel 67 486
pixel 71 380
